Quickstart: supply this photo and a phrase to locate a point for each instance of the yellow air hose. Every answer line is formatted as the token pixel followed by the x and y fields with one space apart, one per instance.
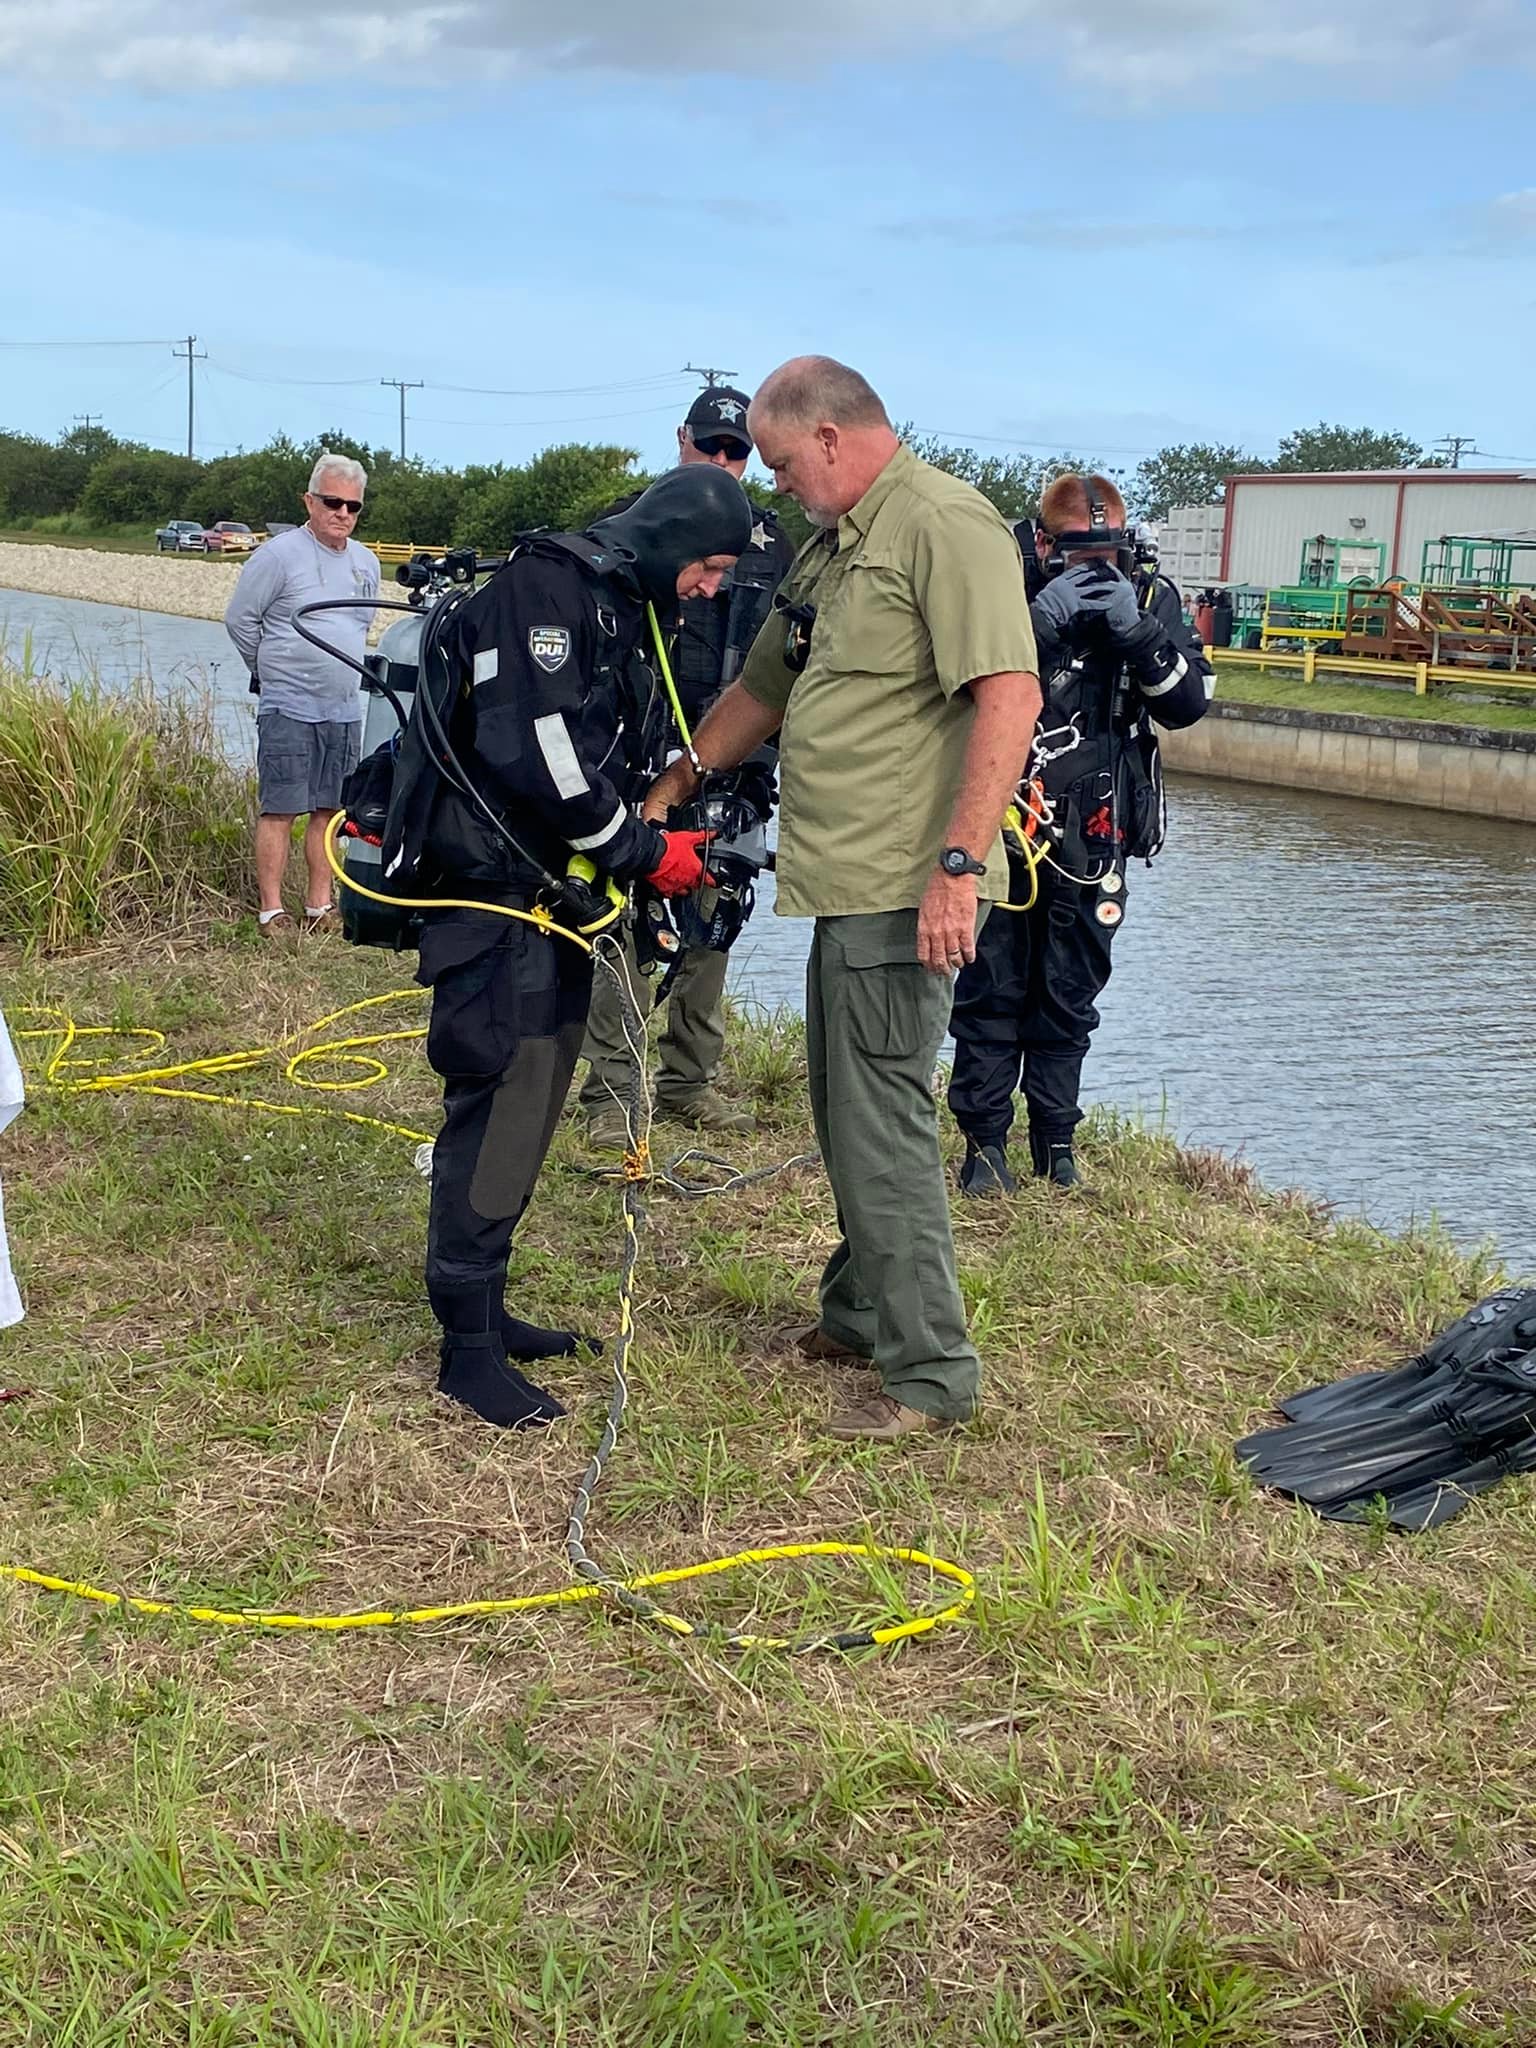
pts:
pixel 62 1072
pixel 1013 828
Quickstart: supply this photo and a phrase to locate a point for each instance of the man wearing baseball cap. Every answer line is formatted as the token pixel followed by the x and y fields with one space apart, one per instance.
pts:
pixel 716 428
pixel 710 642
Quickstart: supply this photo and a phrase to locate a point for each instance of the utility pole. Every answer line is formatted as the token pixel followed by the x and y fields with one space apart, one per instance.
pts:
pixel 711 377
pixel 193 355
pixel 402 385
pixel 1457 445
pixel 87 420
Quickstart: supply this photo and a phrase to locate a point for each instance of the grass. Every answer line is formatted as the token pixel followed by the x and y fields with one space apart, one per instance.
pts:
pixel 115 809
pixel 69 530
pixel 1245 685
pixel 1202 1773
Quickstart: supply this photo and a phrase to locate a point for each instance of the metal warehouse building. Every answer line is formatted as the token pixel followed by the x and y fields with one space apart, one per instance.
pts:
pixel 1270 518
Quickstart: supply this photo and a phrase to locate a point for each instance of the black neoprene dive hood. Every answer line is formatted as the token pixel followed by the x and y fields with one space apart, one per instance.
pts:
pixel 691 513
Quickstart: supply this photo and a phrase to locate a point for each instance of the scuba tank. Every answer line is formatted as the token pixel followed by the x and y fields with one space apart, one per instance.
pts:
pixel 393 666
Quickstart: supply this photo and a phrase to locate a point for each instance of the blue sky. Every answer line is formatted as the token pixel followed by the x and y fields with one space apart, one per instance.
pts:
pixel 1144 222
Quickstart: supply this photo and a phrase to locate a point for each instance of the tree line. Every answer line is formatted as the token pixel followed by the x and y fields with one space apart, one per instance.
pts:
pixel 89 481
pixel 1192 473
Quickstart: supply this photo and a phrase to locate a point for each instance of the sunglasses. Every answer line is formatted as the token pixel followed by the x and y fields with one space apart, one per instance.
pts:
pixel 352 505
pixel 721 444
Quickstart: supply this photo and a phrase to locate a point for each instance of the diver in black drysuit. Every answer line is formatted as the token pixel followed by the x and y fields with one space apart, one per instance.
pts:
pixel 551 704
pixel 709 640
pixel 1114 656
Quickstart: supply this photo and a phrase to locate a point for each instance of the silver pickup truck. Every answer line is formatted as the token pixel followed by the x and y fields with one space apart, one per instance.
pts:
pixel 181 536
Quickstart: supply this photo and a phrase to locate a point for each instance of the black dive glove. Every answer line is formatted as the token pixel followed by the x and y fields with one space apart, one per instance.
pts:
pixel 1089 590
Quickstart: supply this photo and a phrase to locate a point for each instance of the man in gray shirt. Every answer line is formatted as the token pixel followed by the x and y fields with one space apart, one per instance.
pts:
pixel 309 723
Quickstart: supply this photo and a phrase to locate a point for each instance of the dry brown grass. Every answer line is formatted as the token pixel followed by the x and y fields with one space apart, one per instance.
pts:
pixel 1202 1771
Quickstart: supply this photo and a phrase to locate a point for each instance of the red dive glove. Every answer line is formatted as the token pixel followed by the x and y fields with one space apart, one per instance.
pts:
pixel 681 867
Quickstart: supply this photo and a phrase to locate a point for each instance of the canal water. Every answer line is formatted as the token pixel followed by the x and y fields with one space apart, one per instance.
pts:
pixel 64 636
pixel 1339 992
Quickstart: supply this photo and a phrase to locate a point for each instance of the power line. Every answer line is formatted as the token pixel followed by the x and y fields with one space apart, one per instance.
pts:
pixel 968 440
pixel 628 384
pixel 427 419
pixel 1457 445
pixel 87 420
pixel 307 383
pixel 634 384
pixel 711 377
pixel 352 410
pixel 160 341
pixel 402 385
pixel 216 420
pixel 194 357
pixel 580 419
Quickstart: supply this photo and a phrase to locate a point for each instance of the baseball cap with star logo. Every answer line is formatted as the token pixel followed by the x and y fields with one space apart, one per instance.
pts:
pixel 720 412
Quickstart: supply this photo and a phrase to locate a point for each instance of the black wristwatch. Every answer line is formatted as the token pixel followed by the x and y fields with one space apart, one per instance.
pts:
pixel 954 860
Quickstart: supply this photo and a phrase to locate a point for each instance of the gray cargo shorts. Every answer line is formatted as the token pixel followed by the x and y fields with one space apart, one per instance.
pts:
pixel 300 767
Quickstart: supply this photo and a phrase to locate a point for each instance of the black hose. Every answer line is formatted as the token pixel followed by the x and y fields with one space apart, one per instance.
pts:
pixel 351 604
pixel 434 623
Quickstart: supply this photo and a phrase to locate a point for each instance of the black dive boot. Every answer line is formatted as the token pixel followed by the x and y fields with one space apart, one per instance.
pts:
pixel 984 1170
pixel 526 1342
pixel 1052 1160
pixel 473 1365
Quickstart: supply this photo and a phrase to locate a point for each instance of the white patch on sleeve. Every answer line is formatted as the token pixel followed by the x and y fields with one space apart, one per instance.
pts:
pixel 565 771
pixel 596 839
pixel 487 664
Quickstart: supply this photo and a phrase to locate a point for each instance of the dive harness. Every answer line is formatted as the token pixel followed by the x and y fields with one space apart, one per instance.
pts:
pixel 582 900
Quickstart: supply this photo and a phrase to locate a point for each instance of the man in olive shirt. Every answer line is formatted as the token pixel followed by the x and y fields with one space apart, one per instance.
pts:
pixel 906 692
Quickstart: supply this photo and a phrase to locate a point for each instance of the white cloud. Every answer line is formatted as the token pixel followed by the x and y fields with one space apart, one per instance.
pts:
pixel 1137 47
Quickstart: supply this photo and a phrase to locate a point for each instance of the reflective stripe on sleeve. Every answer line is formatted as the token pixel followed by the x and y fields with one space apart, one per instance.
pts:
pixel 594 840
pixel 1171 681
pixel 565 771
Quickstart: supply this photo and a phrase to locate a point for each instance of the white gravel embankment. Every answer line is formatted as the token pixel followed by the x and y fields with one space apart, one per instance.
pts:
pixel 189 588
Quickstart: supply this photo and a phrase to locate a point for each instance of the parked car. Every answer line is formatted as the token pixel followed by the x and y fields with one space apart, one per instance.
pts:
pixel 229 537
pixel 184 535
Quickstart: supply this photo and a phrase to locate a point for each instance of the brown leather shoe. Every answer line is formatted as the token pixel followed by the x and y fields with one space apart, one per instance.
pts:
pixel 327 920
pixel 882 1419
pixel 608 1128
pixel 813 1342
pixel 708 1112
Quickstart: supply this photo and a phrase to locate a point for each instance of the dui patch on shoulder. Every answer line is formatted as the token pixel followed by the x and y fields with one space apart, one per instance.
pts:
pixel 550 647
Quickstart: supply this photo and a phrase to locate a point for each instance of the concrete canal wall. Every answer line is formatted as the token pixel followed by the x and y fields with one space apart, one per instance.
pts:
pixel 1490 772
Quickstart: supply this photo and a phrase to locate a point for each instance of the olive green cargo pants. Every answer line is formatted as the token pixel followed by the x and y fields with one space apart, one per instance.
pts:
pixel 874 1023
pixel 692 1042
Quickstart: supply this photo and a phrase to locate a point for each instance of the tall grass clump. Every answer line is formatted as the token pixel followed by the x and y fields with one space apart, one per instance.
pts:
pixel 116 810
